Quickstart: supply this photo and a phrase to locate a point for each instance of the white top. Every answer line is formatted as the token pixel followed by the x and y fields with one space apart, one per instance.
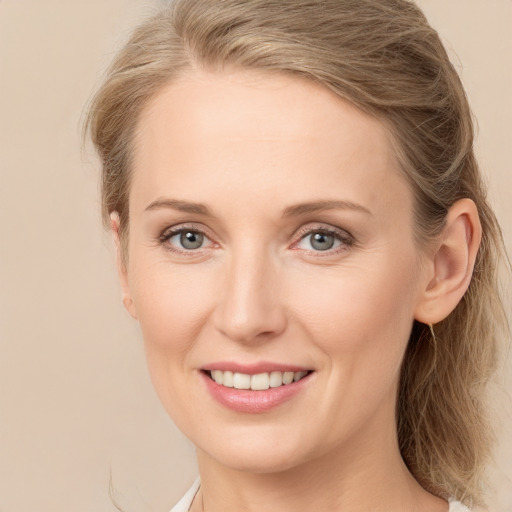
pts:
pixel 184 504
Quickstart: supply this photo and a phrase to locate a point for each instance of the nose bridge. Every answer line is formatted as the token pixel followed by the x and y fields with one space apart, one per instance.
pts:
pixel 249 305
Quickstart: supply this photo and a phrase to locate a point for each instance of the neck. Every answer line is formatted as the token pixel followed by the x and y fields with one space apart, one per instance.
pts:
pixel 360 475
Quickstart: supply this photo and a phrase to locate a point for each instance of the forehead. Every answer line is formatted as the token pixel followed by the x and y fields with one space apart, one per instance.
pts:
pixel 251 132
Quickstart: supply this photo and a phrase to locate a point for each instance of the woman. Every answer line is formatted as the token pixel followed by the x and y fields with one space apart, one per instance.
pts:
pixel 303 235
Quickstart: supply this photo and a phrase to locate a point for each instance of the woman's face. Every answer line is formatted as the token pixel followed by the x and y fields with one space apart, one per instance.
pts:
pixel 270 231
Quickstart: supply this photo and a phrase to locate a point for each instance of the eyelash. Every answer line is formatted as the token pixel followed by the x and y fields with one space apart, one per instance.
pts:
pixel 346 239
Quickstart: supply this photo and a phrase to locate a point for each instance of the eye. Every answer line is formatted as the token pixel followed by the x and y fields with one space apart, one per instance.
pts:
pixel 324 240
pixel 184 239
pixel 321 241
pixel 189 240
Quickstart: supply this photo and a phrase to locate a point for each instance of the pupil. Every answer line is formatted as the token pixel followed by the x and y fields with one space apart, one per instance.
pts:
pixel 191 240
pixel 322 242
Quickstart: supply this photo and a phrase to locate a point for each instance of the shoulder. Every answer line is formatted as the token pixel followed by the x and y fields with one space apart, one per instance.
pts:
pixel 184 504
pixel 457 506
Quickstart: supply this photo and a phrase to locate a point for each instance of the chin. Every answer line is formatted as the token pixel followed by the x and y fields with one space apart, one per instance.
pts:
pixel 261 454
pixel 260 463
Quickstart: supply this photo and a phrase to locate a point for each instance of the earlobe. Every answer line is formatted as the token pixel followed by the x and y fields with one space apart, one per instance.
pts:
pixel 452 263
pixel 121 267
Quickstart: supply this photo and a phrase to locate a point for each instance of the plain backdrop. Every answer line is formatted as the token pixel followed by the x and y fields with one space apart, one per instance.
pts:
pixel 78 414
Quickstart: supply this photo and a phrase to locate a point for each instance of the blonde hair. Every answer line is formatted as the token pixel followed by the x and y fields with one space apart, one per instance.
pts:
pixel 382 56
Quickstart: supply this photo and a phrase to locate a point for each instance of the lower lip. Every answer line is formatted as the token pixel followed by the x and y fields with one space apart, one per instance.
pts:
pixel 248 401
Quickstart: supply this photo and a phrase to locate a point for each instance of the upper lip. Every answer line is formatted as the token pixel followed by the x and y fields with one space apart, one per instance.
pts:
pixel 254 368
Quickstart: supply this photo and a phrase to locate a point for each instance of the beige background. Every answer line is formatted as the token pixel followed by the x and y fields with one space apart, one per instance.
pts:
pixel 75 399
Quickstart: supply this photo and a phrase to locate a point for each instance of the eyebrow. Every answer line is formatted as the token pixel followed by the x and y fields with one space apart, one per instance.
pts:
pixel 290 211
pixel 318 206
pixel 182 206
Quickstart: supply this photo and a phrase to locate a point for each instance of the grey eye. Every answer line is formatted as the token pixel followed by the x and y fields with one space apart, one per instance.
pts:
pixel 191 239
pixel 322 241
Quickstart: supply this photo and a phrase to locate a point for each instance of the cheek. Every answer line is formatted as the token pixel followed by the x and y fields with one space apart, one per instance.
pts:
pixel 360 320
pixel 171 304
pixel 364 311
pixel 172 307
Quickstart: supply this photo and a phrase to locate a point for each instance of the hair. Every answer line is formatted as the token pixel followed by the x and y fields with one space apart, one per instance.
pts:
pixel 383 57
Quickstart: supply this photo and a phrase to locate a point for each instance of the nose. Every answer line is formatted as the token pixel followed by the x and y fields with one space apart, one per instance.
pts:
pixel 249 307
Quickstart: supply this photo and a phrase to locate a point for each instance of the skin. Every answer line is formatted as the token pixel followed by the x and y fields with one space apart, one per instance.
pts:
pixel 248 146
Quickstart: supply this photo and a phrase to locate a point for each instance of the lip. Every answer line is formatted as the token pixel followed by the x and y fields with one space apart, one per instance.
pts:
pixel 249 401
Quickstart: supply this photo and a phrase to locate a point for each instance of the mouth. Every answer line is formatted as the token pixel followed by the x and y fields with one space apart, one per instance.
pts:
pixel 255 382
pixel 249 389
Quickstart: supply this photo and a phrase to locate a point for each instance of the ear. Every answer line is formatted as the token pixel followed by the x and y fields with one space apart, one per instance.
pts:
pixel 450 267
pixel 121 267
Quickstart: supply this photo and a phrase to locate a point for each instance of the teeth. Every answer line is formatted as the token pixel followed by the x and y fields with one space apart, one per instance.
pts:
pixel 227 379
pixel 241 381
pixel 258 382
pixel 298 375
pixel 276 379
pixel 217 376
pixel 287 377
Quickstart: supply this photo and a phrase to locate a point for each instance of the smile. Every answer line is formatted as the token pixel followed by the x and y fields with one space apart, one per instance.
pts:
pixel 258 382
pixel 249 389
